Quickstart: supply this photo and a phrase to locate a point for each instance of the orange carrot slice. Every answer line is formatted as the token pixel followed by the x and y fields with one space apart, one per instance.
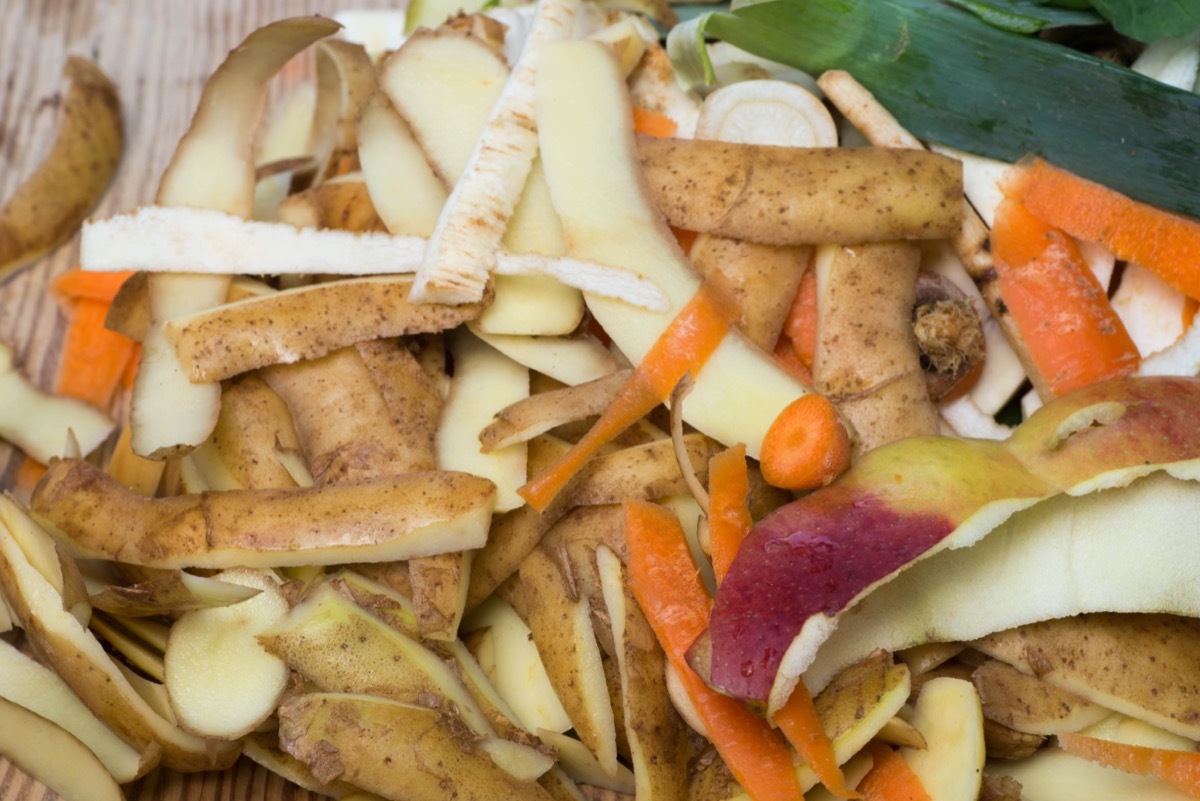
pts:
pixel 667 586
pixel 96 286
pixel 1073 335
pixel 728 517
pixel 94 359
pixel 1178 768
pixel 652 123
pixel 683 347
pixel 800 724
pixel 807 446
pixel 890 778
pixel 1161 241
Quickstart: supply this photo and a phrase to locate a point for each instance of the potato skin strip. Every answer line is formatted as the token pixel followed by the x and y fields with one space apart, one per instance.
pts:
pixel 304 323
pixel 397 517
pixel 803 196
pixel 158 239
pixel 51 204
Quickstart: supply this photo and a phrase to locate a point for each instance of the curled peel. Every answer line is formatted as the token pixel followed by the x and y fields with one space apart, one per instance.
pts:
pixel 783 602
pixel 52 203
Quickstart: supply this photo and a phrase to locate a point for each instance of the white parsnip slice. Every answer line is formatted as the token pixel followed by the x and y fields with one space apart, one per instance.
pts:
pixel 157 239
pixel 461 252
pixel 42 424
pixel 213 168
pixel 397 517
pixel 587 145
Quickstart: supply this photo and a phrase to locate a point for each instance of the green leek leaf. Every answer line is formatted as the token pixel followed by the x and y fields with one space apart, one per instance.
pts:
pixel 950 78
pixel 1025 16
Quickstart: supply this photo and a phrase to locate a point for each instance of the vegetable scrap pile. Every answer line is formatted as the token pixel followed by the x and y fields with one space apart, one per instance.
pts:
pixel 593 435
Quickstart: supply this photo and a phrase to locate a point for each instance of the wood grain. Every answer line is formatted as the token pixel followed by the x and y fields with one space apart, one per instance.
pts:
pixel 159 53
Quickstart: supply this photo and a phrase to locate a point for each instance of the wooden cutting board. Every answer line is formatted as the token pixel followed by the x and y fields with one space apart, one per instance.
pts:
pixel 158 52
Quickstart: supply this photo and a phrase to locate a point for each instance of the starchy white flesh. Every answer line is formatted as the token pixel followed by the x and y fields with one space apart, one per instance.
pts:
pixel 406 193
pixel 948 715
pixel 461 251
pixel 158 239
pixel 582 765
pixel 53 756
pixel 30 684
pixel 73 652
pixel 212 168
pixel 42 424
pixel 484 382
pixel 587 145
pixel 221 682
pixel 518 673
pixel 570 360
pixel 534 305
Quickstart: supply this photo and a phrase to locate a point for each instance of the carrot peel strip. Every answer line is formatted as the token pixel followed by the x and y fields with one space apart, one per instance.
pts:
pixel 1178 768
pixel 728 518
pixel 77 283
pixel 94 359
pixel 801 322
pixel 667 586
pixel 683 347
pixel 890 777
pixel 652 123
pixel 799 722
pixel 1071 331
pixel 1166 243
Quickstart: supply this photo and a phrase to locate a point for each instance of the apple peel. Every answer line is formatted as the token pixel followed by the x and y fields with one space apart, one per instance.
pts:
pixel 776 619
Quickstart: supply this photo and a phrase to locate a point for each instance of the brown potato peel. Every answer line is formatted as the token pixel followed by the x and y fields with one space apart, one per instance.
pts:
pixel 52 203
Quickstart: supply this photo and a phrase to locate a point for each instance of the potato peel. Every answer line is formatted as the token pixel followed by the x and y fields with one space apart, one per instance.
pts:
pixel 52 203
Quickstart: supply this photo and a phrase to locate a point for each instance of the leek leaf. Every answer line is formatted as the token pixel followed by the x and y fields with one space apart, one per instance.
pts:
pixel 952 79
pixel 1026 16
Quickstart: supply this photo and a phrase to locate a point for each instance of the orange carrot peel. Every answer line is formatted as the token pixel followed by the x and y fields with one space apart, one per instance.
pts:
pixel 807 445
pixel 728 517
pixel 800 724
pixel 652 123
pixel 668 588
pixel 1071 331
pixel 800 326
pixel 94 359
pixel 683 347
pixel 1165 243
pixel 1178 768
pixel 890 777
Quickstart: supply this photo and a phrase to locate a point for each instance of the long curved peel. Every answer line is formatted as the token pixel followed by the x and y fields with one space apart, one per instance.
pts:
pixel 213 168
pixel 52 203
pixel 779 613
pixel 395 517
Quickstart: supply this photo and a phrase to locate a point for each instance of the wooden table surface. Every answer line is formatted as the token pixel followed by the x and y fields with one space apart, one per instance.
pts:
pixel 158 52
